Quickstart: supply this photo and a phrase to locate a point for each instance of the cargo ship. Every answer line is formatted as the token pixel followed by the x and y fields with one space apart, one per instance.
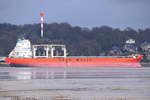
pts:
pixel 55 56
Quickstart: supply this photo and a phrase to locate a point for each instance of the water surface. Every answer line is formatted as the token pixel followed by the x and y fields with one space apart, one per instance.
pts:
pixel 75 83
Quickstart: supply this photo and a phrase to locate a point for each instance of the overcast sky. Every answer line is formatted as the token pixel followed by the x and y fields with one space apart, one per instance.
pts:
pixel 84 13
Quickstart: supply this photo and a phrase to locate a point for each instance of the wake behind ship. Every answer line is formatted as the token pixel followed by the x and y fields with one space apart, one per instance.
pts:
pixel 55 55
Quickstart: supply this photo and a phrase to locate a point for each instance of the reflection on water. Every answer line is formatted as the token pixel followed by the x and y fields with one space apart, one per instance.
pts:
pixel 43 73
pixel 71 75
pixel 74 84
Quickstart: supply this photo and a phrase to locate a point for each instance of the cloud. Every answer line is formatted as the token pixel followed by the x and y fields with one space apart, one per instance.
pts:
pixel 132 1
pixel 117 13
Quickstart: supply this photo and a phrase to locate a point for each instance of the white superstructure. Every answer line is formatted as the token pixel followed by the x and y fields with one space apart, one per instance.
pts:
pixel 22 49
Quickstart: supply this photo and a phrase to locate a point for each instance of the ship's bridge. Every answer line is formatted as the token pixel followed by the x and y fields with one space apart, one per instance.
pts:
pixel 49 51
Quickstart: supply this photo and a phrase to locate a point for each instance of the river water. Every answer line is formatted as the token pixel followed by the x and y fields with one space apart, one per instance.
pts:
pixel 74 83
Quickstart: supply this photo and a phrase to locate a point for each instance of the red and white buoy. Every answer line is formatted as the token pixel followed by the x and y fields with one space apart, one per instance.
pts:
pixel 42 22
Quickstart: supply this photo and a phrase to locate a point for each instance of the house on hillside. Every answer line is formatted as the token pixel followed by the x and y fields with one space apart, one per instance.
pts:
pixel 146 49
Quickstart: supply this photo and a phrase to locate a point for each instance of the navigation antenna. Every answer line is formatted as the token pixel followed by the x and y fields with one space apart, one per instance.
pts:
pixel 42 22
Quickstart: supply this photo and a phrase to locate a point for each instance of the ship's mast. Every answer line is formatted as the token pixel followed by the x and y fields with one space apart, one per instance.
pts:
pixel 42 22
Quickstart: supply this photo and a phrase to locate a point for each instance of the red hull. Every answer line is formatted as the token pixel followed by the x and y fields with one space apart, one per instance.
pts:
pixel 96 65
pixel 74 62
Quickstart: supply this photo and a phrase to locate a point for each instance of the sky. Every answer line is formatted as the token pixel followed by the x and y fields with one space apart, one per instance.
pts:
pixel 84 13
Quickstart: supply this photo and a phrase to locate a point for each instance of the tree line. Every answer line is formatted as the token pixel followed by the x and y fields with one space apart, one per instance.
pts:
pixel 80 41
